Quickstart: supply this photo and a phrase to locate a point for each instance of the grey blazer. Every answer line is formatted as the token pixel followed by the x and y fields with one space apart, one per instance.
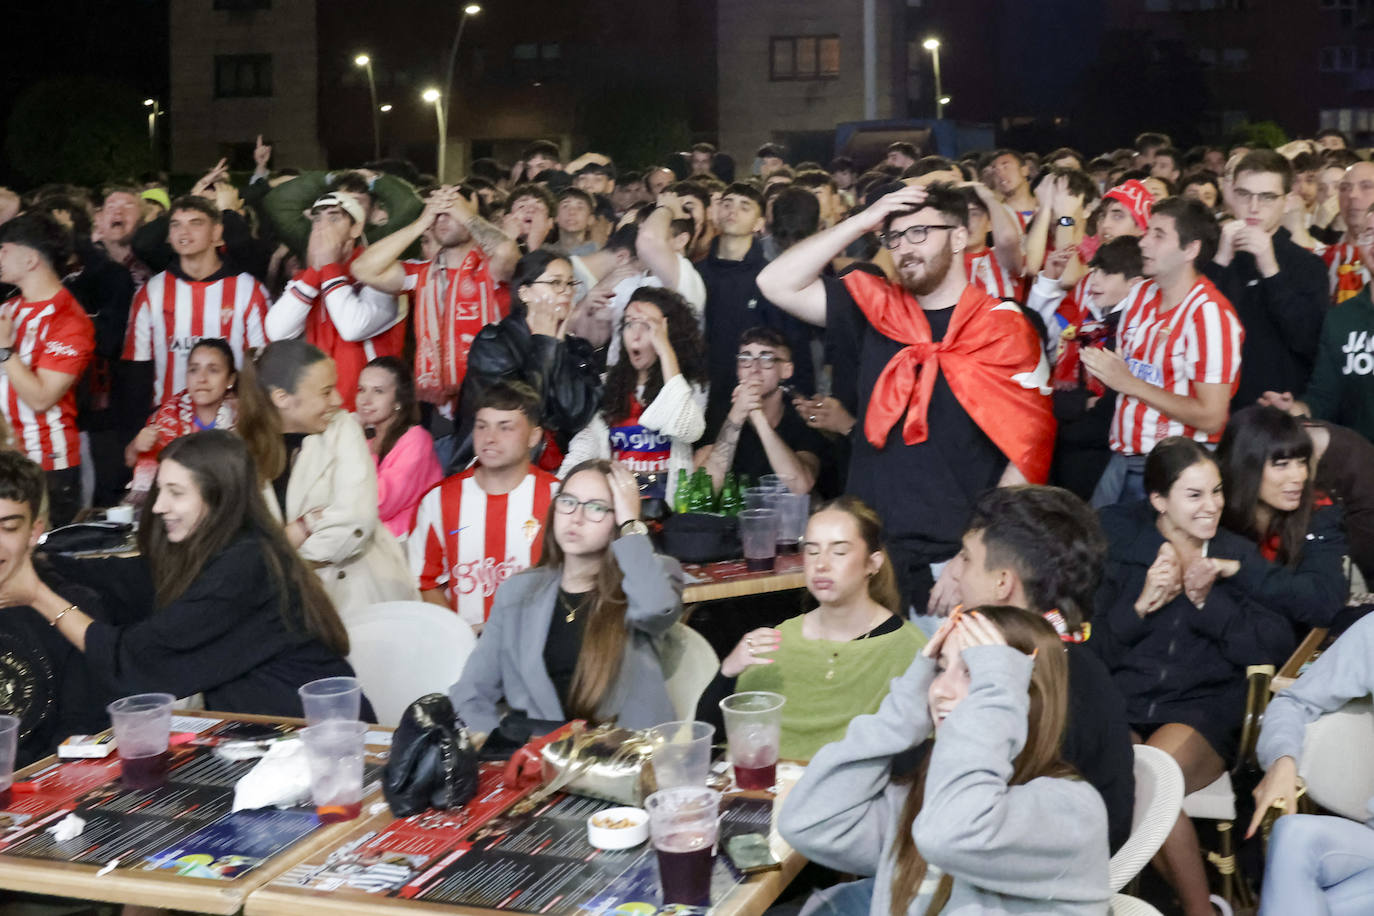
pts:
pixel 508 663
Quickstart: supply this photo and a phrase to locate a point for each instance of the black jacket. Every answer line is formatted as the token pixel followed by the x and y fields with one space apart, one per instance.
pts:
pixel 1179 655
pixel 225 637
pixel 563 372
pixel 1097 739
pixel 1314 591
pixel 1282 316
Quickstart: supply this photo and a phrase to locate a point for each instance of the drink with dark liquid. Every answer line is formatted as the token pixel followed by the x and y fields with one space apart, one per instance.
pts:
pixel 758 564
pixel 761 777
pixel 788 547
pixel 684 868
pixel 333 814
pixel 144 772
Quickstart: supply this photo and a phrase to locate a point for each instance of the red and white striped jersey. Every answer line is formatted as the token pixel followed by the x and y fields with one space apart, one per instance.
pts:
pixel 1346 271
pixel 171 314
pixel 54 334
pixel 468 541
pixel 351 322
pixel 988 274
pixel 1197 341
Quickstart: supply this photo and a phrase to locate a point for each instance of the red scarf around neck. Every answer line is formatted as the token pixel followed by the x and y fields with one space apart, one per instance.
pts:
pixel 990 356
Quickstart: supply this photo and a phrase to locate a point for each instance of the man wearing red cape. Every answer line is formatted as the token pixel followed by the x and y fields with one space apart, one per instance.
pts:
pixel 949 385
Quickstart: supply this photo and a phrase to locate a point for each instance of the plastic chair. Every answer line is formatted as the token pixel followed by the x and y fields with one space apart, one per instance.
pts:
pixel 1338 760
pixel 1121 905
pixel 402 650
pixel 1158 796
pixel 689 665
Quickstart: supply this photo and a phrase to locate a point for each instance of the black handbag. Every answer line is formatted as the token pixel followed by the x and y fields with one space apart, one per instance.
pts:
pixel 700 537
pixel 432 763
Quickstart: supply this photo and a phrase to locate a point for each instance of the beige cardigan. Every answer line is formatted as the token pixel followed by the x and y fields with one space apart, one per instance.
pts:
pixel 334 483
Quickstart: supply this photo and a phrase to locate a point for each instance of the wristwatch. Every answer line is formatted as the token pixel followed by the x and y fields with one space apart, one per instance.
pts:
pixel 5 354
pixel 633 526
pixel 1067 221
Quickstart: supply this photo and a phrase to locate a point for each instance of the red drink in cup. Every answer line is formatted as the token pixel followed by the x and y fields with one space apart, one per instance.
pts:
pixel 334 751
pixel 683 824
pixel 684 868
pixel 753 727
pixel 142 724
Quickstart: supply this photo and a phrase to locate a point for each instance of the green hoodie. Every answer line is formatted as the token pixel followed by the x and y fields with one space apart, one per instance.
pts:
pixel 1342 387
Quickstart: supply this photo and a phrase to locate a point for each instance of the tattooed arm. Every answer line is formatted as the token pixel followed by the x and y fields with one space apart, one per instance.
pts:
pixel 499 247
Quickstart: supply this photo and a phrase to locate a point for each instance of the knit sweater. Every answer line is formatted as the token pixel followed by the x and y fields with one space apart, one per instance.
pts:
pixel 1040 847
pixel 828 683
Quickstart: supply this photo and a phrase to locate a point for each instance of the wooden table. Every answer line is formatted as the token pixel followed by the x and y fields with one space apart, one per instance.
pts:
pixel 730 579
pixel 163 888
pixel 1305 652
pixel 750 897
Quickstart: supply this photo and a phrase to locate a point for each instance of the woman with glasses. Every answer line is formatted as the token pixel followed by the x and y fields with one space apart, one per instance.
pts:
pixel 532 345
pixel 573 638
pixel 654 406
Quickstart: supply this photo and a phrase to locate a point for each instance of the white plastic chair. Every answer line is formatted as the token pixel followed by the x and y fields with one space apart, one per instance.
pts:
pixel 1338 760
pixel 402 650
pixel 689 665
pixel 1122 905
pixel 1158 796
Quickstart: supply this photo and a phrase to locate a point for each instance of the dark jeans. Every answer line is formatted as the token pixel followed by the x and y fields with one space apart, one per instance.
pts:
pixel 64 496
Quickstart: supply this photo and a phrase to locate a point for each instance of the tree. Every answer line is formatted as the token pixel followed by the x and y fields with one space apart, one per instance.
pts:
pixel 82 130
pixel 1258 135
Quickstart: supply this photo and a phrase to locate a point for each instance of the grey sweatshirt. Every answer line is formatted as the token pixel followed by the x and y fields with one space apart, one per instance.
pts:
pixel 1034 848
pixel 1342 673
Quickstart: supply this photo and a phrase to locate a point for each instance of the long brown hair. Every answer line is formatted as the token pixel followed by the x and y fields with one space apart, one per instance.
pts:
pixel 603 642
pixel 223 470
pixel 1254 437
pixel 407 407
pixel 882 585
pixel 278 365
pixel 1049 692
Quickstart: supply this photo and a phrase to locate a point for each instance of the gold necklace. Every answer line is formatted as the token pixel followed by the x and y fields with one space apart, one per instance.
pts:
pixel 572 609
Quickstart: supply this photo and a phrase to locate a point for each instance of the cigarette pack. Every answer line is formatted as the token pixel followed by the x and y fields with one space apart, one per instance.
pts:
pixel 86 747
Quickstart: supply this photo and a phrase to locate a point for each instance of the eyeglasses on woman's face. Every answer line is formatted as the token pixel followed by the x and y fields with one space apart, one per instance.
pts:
pixel 594 510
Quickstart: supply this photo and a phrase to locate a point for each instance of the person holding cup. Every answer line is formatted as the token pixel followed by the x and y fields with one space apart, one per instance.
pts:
pixel 239 617
pixel 834 662
pixel 574 636
pixel 991 687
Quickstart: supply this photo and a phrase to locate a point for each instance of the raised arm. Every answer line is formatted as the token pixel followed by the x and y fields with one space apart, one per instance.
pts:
pixel 792 281
pixel 379 266
pixel 499 247
pixel 654 241
pixel 1006 232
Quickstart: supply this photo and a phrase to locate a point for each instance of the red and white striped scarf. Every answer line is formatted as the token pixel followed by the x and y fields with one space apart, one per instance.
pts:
pixel 443 313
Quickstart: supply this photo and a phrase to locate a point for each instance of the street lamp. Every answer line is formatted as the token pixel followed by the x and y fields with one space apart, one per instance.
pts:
pixel 362 60
pixel 154 109
pixel 436 98
pixel 385 108
pixel 471 9
pixel 941 100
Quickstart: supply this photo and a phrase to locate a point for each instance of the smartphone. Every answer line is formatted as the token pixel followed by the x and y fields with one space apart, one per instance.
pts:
pixel 750 854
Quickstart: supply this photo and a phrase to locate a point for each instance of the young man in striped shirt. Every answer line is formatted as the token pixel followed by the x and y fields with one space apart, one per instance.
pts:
pixel 482 526
pixel 351 322
pixel 1177 361
pixel 196 297
pixel 46 340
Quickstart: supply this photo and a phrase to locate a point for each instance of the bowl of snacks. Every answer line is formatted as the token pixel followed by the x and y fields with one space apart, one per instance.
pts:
pixel 618 828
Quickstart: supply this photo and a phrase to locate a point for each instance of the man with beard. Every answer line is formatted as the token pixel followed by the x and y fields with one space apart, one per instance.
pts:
pixel 952 395
pixel 455 294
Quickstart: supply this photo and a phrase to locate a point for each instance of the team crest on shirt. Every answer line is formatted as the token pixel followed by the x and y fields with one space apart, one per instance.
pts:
pixel 530 529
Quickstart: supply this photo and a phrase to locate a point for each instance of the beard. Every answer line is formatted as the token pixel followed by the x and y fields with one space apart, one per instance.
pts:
pixel 936 269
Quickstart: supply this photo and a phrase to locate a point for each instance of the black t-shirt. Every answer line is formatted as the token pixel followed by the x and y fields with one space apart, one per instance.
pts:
pixel 924 493
pixel 293 442
pixel 44 680
pixel 564 643
pixel 750 457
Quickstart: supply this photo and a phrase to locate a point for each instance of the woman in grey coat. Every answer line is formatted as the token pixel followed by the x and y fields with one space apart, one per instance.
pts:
pixel 574 637
pixel 993 821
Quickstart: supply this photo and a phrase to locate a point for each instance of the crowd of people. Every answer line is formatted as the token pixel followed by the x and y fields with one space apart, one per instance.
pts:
pixel 1085 437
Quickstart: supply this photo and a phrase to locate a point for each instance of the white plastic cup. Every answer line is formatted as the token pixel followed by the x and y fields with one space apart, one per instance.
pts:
pixel 753 729
pixel 334 751
pixel 758 531
pixel 793 510
pixel 142 725
pixel 683 824
pixel 9 743
pixel 331 699
pixel 774 482
pixel 681 753
pixel 123 515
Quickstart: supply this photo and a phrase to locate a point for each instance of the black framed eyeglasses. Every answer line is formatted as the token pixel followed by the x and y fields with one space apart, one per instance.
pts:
pixel 914 235
pixel 594 509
